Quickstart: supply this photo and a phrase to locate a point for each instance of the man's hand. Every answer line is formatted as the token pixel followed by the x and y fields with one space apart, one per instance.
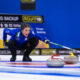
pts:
pixel 46 41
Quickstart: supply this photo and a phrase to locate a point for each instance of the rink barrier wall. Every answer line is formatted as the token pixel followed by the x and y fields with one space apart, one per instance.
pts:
pixel 39 51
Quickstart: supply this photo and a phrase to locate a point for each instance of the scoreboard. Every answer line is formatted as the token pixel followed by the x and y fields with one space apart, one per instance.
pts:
pixel 28 4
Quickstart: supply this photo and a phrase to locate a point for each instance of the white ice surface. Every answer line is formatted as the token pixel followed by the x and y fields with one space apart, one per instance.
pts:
pixel 19 58
pixel 10 76
pixel 18 76
pixel 34 58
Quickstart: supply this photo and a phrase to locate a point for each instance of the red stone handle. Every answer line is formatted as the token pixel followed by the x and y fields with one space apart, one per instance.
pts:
pixel 52 57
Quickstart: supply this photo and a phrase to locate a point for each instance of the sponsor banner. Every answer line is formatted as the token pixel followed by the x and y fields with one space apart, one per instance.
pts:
pixel 34 52
pixel 40 52
pixel 10 25
pixel 10 18
pixel 19 52
pixel 48 51
pixel 32 19
pixel 21 18
pixel 65 52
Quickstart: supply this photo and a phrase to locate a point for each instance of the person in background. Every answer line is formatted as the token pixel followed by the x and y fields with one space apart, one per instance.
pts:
pixel 23 38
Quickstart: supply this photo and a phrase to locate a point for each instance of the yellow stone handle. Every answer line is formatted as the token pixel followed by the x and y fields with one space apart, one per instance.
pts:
pixel 71 54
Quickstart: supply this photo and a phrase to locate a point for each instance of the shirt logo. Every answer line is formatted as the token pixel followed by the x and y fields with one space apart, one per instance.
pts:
pixel 25 39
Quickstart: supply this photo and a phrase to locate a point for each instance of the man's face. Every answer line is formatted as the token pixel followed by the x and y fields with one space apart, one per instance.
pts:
pixel 26 31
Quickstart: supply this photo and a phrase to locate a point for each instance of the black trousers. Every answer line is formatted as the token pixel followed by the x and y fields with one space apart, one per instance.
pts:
pixel 28 46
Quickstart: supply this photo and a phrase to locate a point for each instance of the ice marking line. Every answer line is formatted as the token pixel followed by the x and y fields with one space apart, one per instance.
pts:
pixel 50 74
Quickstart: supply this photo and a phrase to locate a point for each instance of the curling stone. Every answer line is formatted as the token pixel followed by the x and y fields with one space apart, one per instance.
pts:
pixel 55 62
pixel 71 59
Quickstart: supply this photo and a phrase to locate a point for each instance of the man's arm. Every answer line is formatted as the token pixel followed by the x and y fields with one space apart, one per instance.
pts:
pixel 11 32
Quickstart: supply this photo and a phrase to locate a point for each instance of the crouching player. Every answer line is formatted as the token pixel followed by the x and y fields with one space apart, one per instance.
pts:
pixel 23 39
